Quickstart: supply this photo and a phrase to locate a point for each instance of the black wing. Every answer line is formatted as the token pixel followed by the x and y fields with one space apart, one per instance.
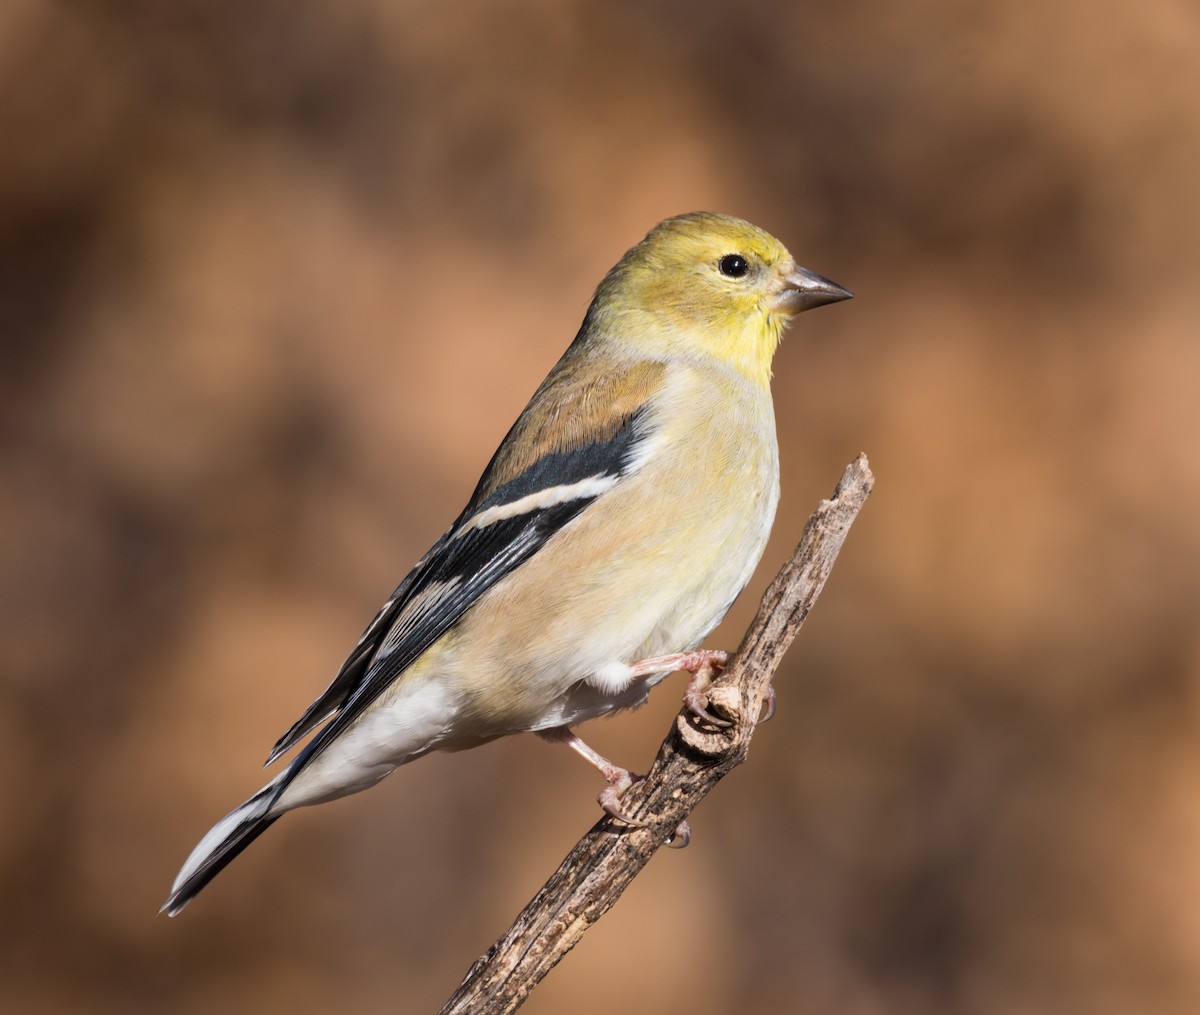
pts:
pixel 492 537
pixel 355 667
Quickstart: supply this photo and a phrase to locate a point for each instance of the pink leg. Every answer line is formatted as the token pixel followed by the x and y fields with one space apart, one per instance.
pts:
pixel 619 779
pixel 703 665
pixel 689 661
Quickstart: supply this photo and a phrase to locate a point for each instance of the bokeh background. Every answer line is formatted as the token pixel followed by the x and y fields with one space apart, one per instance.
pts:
pixel 274 280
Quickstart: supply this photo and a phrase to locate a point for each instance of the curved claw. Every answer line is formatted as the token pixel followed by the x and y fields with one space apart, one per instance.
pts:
pixel 770 706
pixel 697 706
pixel 618 778
pixel 682 836
pixel 695 697
pixel 610 802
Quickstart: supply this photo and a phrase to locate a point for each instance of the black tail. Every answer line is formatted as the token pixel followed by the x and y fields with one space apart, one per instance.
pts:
pixel 225 840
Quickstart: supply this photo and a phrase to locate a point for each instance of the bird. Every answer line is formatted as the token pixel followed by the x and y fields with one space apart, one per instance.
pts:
pixel 620 517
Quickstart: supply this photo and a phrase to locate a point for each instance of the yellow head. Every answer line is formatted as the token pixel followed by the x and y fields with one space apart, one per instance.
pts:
pixel 708 284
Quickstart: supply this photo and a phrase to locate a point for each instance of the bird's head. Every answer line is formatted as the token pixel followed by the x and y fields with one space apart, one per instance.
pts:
pixel 714 284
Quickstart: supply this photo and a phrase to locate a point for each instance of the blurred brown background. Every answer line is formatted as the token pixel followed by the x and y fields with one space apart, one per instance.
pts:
pixel 274 280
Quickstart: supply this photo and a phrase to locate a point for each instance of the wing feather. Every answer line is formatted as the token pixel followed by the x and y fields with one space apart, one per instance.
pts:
pixel 355 667
pixel 510 517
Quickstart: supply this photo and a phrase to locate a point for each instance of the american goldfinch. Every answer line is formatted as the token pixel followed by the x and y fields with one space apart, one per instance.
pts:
pixel 621 516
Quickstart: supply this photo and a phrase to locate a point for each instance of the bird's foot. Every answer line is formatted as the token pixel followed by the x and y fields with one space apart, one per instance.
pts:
pixel 610 798
pixel 619 779
pixel 703 665
pixel 696 696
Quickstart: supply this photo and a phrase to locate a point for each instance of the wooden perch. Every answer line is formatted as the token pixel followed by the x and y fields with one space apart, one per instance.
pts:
pixel 692 760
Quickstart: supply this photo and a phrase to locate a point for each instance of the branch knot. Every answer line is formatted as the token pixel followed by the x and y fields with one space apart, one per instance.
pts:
pixel 703 740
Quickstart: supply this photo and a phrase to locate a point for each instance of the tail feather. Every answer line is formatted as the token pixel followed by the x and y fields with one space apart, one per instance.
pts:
pixel 227 838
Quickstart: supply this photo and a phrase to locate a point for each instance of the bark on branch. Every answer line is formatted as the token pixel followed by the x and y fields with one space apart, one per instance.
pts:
pixel 692 760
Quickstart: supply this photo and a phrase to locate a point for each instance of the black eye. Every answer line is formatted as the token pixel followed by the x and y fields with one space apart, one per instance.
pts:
pixel 733 265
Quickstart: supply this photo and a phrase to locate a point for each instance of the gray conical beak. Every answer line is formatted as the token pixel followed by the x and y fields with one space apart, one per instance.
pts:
pixel 804 289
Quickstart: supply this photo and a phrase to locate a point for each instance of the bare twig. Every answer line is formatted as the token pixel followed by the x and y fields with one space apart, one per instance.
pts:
pixel 692 760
